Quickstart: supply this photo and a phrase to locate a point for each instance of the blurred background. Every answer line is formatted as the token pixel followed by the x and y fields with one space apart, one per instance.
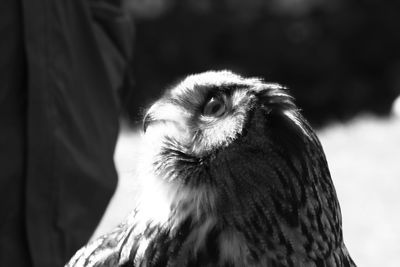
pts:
pixel 339 58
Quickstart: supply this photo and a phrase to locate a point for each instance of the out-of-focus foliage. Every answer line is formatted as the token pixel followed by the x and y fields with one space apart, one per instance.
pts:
pixel 339 57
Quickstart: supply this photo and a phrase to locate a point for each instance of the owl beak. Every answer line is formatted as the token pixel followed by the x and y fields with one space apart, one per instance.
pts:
pixel 147 120
pixel 163 112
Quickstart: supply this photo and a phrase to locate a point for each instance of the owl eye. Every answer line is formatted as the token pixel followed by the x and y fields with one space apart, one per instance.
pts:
pixel 215 107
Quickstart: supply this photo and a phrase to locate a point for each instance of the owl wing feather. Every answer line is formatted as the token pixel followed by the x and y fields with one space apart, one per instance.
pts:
pixel 112 249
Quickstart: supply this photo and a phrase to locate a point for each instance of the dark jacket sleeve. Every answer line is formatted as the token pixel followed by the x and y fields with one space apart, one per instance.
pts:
pixel 77 53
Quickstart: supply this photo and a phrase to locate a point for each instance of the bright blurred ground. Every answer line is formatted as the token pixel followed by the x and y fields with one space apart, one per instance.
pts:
pixel 364 158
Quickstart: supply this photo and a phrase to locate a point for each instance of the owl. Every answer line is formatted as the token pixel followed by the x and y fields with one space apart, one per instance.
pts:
pixel 235 176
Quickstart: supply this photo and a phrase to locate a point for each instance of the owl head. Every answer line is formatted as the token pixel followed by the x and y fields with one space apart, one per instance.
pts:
pixel 212 113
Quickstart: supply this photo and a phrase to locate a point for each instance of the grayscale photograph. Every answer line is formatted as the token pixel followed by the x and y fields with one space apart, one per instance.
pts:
pixel 200 133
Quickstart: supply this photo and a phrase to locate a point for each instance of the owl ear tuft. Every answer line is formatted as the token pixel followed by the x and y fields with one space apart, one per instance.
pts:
pixel 281 104
pixel 291 132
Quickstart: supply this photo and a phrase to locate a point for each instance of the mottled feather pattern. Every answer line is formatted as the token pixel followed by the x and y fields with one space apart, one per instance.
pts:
pixel 243 183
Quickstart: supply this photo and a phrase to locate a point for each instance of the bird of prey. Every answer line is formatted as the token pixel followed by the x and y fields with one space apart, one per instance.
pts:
pixel 235 176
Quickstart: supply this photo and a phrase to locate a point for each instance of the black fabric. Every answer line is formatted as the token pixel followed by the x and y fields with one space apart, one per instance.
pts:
pixel 61 63
pixel 13 242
